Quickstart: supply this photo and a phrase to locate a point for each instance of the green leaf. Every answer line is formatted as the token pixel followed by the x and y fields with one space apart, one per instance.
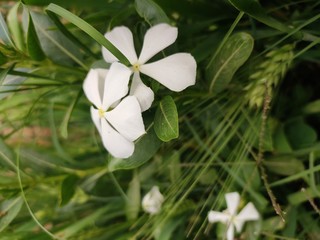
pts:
pixel 12 81
pixel 300 134
pixel 166 124
pixel 280 140
pixel 87 28
pixel 145 149
pixel 68 188
pixel 15 26
pixel 254 9
pixel 233 54
pixel 33 44
pixel 3 74
pixel 9 210
pixel 284 166
pixel 312 107
pixel 151 12
pixel 4 33
pixel 134 198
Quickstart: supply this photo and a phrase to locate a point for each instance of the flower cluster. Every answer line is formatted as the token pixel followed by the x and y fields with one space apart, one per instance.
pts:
pixel 119 102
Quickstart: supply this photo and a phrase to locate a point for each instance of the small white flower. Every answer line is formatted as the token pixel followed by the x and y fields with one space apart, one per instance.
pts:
pixel 230 217
pixel 176 72
pixel 119 121
pixel 152 201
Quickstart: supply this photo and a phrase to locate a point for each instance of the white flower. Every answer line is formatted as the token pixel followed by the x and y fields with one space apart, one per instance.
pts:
pixel 119 121
pixel 176 72
pixel 152 201
pixel 230 217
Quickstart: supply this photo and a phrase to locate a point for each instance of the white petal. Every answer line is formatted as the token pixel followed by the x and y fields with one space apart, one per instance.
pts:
pixel 121 38
pixel 117 145
pixel 156 39
pixel 126 118
pixel 96 118
pixel 214 216
pixel 143 93
pixel 92 85
pixel 230 232
pixel 176 72
pixel 248 213
pixel 152 201
pixel 233 200
pixel 116 84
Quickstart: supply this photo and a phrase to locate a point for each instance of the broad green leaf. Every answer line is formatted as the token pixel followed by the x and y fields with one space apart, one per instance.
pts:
pixel 68 189
pixel 145 149
pixel 165 231
pixel 233 54
pixel 9 209
pixel 33 44
pixel 166 124
pixel 4 33
pixel 255 10
pixel 151 12
pixel 134 198
pixel 312 107
pixel 87 28
pixel 285 166
pixel 280 140
pixel 300 134
pixel 14 26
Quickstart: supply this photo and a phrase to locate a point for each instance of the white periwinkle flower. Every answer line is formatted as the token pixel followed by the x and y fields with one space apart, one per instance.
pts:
pixel 152 201
pixel 176 71
pixel 117 118
pixel 230 216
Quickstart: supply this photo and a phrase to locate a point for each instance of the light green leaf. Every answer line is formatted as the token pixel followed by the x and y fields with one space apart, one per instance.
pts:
pixel 68 188
pixel 87 28
pixel 285 166
pixel 166 123
pixel 12 82
pixel 233 54
pixel 14 26
pixel 151 12
pixel 4 33
pixel 33 44
pixel 254 9
pixel 312 107
pixel 145 149
pixel 134 198
pixel 9 209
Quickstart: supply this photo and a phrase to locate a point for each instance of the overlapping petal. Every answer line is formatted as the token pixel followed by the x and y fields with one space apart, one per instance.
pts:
pixel 156 39
pixel 230 232
pixel 121 38
pixel 143 93
pixel 126 118
pixel 116 84
pixel 233 200
pixel 214 216
pixel 93 85
pixel 96 118
pixel 117 145
pixel 175 72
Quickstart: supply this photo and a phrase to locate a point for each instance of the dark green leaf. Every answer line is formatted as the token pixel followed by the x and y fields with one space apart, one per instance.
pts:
pixel 145 149
pixel 254 9
pixel 33 44
pixel 87 28
pixel 285 166
pixel 151 12
pixel 68 188
pixel 230 58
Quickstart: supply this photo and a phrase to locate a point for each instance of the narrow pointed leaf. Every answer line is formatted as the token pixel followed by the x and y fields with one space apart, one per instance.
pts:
pixel 151 12
pixel 33 44
pixel 230 58
pixel 68 188
pixel 15 27
pixel 87 28
pixel 134 198
pixel 166 123
pixel 9 209
pixel 4 33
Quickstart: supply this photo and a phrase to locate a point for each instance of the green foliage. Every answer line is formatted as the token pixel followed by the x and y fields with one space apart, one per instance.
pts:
pixel 57 181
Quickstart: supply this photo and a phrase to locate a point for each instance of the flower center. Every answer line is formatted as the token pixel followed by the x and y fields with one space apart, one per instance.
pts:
pixel 136 67
pixel 101 113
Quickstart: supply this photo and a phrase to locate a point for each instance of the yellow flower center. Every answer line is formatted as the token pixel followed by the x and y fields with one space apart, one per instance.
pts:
pixel 136 67
pixel 101 113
